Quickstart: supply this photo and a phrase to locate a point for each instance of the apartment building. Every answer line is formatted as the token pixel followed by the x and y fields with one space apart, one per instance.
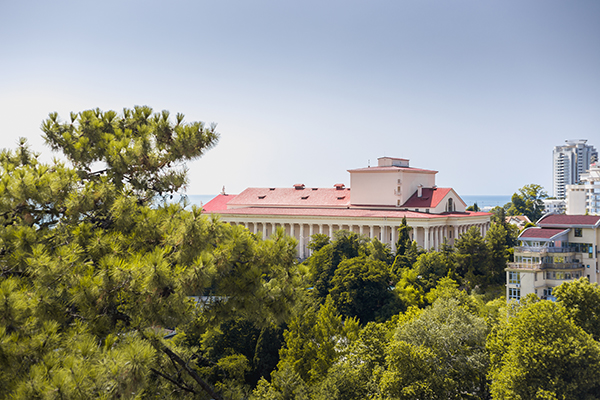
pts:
pixel 570 161
pixel 560 248
pixel 584 198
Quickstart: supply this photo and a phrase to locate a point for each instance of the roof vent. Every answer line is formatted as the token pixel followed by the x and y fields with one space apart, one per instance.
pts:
pixel 299 186
pixel 339 186
pixel 304 197
pixel 315 188
pixel 262 197
pixel 271 188
pixel 341 197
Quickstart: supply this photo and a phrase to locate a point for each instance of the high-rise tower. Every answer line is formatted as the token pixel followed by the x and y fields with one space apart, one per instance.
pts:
pixel 569 162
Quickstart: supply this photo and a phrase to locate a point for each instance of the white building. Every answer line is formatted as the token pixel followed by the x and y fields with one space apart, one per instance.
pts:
pixel 380 197
pixel 569 162
pixel 561 248
pixel 554 206
pixel 584 198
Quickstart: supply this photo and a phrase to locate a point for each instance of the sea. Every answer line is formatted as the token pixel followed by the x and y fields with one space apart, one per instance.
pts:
pixel 484 202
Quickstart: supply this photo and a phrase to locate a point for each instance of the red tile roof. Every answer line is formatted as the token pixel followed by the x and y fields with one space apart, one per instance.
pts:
pixel 342 213
pixel 569 220
pixel 430 198
pixel 541 233
pixel 218 203
pixel 291 197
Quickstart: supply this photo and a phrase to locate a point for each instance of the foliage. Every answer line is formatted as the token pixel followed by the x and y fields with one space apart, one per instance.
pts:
pixel 497 239
pixel 315 340
pixel 93 271
pixel 318 241
pixel 439 354
pixel 361 289
pixel 474 207
pixel 323 263
pixel 528 202
pixel 432 266
pixel 472 258
pixel 139 148
pixel 582 300
pixel 539 352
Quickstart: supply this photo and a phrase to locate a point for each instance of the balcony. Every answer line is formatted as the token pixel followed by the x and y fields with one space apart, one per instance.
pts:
pixel 540 249
pixel 544 266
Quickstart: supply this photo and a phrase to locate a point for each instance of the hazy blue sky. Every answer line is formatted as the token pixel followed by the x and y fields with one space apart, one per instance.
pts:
pixel 480 90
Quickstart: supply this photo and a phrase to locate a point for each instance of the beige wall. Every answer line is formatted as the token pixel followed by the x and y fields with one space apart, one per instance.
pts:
pixel 381 187
pixel 575 200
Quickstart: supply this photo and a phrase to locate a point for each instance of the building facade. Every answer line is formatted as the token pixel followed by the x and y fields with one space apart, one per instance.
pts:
pixel 554 206
pixel 375 204
pixel 560 248
pixel 569 162
pixel 584 198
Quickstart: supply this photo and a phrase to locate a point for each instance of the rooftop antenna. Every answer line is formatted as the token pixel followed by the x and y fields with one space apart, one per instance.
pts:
pixel 223 191
pixel 369 163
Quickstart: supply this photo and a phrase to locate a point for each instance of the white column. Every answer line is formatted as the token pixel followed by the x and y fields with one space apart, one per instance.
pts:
pixel 360 229
pixel 310 231
pixel 264 230
pixel 331 231
pixel 371 231
pixel 426 239
pixel 255 227
pixel 301 240
pixel 394 238
pixel 292 233
pixel 321 229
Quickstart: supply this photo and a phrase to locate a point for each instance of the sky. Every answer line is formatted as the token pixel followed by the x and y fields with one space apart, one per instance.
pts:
pixel 302 91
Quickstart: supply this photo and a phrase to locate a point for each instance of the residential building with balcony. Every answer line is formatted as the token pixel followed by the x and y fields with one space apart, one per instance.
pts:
pixel 559 249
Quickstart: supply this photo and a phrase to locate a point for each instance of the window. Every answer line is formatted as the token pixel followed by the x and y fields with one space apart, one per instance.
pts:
pixel 578 232
pixel 514 277
pixel 450 205
pixel 514 293
pixel 548 292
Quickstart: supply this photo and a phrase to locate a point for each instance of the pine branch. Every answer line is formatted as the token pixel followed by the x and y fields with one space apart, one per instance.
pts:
pixel 178 384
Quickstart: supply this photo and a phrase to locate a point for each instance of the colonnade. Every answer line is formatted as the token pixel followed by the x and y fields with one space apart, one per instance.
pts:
pixel 428 236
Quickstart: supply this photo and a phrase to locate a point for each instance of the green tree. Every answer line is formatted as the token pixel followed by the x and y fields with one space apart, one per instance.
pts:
pixel 582 300
pixel 472 258
pixel 528 202
pixel 539 353
pixel 404 241
pixel 474 207
pixel 315 340
pixel 438 354
pixel 361 289
pixel 93 268
pixel 323 263
pixel 497 238
pixel 431 267
pixel 318 241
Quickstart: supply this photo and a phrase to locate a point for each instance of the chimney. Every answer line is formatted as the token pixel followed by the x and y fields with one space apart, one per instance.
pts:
pixel 420 191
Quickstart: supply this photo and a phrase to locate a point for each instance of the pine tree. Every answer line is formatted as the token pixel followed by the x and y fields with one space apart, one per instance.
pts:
pixel 95 268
